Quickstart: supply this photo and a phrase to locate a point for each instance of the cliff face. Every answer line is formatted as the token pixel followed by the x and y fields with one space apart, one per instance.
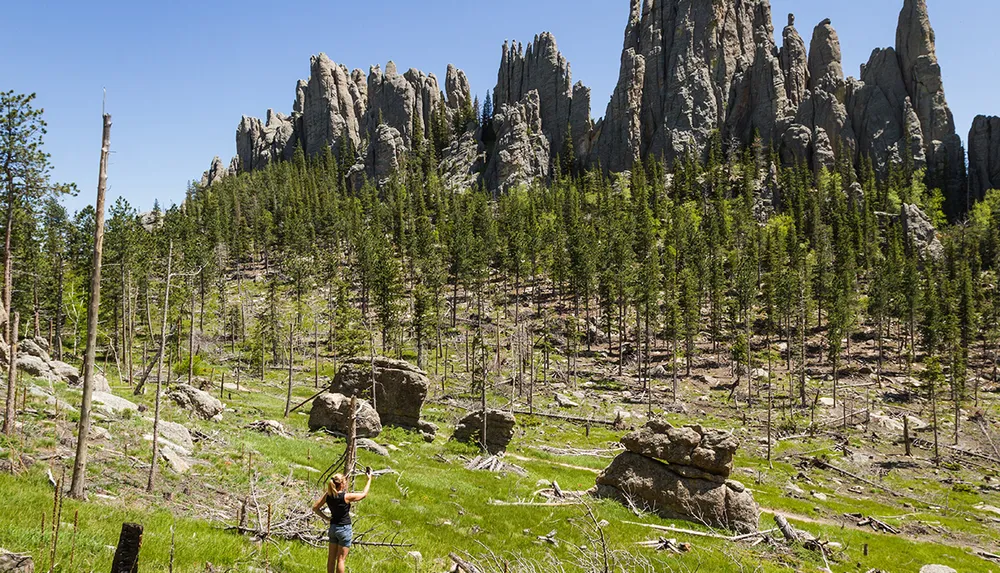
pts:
pixel 690 70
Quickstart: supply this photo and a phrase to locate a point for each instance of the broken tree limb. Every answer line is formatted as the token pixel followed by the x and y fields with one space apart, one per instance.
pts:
pixel 786 528
pixel 826 466
pixel 462 564
pixel 673 529
pixel 310 399
pixel 574 419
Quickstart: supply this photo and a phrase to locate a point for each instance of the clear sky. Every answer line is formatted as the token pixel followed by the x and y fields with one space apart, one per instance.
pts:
pixel 180 73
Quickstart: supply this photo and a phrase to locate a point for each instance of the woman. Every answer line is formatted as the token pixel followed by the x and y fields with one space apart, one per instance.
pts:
pixel 338 501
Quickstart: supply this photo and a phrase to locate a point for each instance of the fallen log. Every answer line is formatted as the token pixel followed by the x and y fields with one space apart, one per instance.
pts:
pixel 786 528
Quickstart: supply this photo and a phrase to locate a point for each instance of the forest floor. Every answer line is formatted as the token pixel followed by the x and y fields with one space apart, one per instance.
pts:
pixel 825 474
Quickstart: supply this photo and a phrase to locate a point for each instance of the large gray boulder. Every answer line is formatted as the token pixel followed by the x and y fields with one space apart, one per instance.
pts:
pixel 198 402
pixel 15 562
pixel 681 473
pixel 111 405
pixel 654 485
pixel 332 412
pixel 499 429
pixel 399 389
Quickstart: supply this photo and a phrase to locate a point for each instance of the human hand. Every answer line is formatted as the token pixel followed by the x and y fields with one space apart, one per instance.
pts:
pixel 368 471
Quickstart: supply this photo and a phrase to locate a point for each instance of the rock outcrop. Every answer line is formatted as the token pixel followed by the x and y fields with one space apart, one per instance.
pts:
pixel 499 429
pixel 198 402
pixel 691 71
pixel 681 473
pixel 522 153
pixel 372 117
pixel 542 68
pixel 332 412
pixel 399 390
pixel 217 172
pixel 259 143
pixel 984 156
pixel 920 233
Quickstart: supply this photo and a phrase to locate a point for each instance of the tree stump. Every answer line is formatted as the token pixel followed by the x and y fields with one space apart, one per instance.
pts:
pixel 127 555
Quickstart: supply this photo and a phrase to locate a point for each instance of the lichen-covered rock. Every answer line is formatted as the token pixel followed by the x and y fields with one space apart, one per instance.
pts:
pixel 332 412
pixel 499 429
pixel 654 485
pixel 461 163
pixel 521 153
pixel 198 402
pixel 399 389
pixel 69 373
pixel 111 405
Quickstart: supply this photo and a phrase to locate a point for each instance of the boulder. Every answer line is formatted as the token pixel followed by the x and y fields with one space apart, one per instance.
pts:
pixel 175 460
pixel 30 347
pixel 198 402
pixel 703 453
pixel 15 562
pixel 177 434
pixel 371 446
pixel 400 389
pixel 656 486
pixel 564 401
pixel 332 412
pixel 34 366
pixel 69 374
pixel 111 405
pixel 499 429
pixel 937 569
pixel 681 473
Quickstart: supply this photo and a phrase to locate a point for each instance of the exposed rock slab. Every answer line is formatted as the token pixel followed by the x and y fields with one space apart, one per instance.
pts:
pixel 920 232
pixel 521 153
pixel 15 562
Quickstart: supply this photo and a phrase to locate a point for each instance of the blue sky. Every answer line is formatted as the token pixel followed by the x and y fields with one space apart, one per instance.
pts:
pixel 180 73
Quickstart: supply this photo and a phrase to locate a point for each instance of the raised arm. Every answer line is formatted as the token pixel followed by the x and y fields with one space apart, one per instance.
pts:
pixel 318 508
pixel 353 497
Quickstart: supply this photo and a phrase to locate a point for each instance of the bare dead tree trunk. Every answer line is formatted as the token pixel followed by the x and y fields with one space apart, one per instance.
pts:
pixel 83 432
pixel 191 338
pixel 288 398
pixel 159 372
pixel 11 411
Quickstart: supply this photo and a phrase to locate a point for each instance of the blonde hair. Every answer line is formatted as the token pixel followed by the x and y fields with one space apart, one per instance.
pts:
pixel 337 483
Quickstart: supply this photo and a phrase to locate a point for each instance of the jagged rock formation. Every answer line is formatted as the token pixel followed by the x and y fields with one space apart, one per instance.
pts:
pixel 542 68
pixel 522 152
pixel 690 70
pixel 259 143
pixel 346 111
pixel 218 172
pixel 681 473
pixel 984 156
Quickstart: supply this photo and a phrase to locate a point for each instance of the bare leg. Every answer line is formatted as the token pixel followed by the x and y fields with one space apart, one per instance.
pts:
pixel 332 558
pixel 342 560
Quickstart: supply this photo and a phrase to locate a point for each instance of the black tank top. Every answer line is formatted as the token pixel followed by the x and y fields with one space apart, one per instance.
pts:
pixel 340 510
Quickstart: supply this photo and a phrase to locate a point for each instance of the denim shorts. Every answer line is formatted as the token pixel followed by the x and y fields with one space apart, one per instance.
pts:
pixel 341 535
